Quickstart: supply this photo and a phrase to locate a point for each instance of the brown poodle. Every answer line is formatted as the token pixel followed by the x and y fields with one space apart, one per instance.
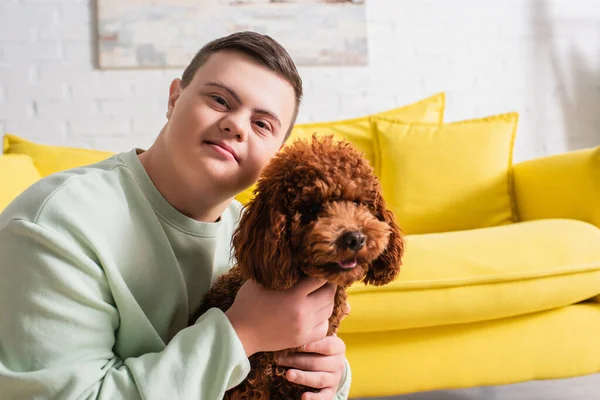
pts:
pixel 318 210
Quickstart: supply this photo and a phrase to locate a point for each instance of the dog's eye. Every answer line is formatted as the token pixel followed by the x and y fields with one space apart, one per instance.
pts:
pixel 312 209
pixel 356 203
pixel 310 213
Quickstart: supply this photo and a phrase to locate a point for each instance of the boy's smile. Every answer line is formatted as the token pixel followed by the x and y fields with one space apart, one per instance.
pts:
pixel 223 149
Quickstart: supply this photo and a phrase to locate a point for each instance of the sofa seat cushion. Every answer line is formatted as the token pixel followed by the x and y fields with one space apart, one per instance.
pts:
pixel 552 344
pixel 482 274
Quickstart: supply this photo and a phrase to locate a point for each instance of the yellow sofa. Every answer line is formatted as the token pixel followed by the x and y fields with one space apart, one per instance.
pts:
pixel 501 277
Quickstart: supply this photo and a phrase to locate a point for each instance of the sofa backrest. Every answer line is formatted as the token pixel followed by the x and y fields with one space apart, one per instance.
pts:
pixel 17 173
pixel 436 176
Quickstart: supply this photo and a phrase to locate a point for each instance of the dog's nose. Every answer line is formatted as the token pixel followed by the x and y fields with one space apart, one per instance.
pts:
pixel 353 240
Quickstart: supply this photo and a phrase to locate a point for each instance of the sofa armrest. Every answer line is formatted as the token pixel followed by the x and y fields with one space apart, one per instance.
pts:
pixel 560 186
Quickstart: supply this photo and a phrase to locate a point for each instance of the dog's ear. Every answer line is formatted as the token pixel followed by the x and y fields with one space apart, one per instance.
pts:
pixel 386 267
pixel 262 247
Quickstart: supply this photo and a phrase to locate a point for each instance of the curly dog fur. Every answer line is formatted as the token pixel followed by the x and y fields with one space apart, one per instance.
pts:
pixel 318 210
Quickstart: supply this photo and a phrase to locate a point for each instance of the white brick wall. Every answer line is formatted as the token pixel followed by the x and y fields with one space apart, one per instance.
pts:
pixel 537 57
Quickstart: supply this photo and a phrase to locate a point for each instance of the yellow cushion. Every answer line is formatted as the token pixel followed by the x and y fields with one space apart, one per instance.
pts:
pixel 50 159
pixel 547 345
pixel 448 177
pixel 17 173
pixel 563 185
pixel 482 274
pixel 359 132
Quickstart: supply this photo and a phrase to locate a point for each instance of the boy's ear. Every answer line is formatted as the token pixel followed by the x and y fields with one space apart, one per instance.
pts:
pixel 174 92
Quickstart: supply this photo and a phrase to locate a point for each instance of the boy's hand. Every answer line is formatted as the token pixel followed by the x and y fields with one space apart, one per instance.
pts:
pixel 320 366
pixel 268 320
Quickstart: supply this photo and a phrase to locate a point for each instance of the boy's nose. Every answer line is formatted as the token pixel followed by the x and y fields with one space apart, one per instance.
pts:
pixel 233 127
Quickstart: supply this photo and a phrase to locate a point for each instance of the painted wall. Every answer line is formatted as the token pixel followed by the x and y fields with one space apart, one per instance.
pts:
pixel 538 57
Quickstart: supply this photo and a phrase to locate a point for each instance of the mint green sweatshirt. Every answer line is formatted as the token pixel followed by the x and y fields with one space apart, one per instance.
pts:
pixel 98 273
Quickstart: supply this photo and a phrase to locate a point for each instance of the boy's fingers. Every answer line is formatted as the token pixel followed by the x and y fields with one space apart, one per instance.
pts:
pixel 317 380
pixel 324 295
pixel 328 346
pixel 309 285
pixel 319 332
pixel 308 362
pixel 322 316
pixel 325 394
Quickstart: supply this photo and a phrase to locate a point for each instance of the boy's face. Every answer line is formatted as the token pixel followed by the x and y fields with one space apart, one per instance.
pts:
pixel 228 122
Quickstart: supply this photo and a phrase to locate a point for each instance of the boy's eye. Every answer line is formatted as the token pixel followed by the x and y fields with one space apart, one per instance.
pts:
pixel 219 100
pixel 263 125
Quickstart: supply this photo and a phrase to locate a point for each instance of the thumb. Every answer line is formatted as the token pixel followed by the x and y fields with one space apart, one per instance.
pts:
pixel 308 285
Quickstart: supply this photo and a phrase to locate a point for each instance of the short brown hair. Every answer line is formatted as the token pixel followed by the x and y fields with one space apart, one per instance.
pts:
pixel 261 48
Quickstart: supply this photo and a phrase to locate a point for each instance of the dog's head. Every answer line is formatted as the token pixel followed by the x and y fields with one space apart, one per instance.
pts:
pixel 318 210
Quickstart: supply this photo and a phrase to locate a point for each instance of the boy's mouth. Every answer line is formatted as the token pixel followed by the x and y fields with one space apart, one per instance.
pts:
pixel 223 147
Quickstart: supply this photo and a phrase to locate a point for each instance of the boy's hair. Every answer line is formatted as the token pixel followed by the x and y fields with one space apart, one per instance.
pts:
pixel 261 48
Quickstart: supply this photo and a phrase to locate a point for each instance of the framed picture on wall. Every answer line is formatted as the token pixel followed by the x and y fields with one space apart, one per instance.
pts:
pixel 167 33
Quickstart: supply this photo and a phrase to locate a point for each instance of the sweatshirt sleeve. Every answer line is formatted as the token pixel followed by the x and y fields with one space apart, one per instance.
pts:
pixel 60 324
pixel 343 390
